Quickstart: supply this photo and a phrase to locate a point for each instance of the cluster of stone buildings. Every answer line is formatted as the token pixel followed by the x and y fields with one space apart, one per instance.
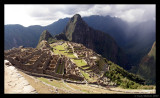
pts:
pixel 91 58
pixel 43 62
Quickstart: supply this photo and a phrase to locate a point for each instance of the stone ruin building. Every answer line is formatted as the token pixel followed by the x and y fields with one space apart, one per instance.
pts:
pixel 41 62
pixel 91 58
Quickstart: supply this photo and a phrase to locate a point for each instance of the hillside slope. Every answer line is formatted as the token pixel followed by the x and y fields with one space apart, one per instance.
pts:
pixel 147 66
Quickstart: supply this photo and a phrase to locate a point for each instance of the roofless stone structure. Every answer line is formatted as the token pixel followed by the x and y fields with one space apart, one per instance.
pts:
pixel 44 63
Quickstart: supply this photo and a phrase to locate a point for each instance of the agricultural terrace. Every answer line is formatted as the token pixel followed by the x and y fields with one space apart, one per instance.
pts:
pixel 62 48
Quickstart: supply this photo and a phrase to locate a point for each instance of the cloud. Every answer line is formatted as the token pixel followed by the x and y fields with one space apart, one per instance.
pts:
pixel 48 13
pixel 132 15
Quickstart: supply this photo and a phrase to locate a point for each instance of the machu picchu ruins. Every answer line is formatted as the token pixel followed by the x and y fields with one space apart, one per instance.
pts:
pixel 65 60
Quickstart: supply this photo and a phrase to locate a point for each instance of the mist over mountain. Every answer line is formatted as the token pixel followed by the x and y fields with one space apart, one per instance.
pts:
pixel 140 39
pixel 136 39
pixel 113 26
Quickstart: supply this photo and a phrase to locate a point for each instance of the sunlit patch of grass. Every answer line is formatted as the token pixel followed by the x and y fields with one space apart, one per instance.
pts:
pixel 62 49
pixel 56 83
pixel 79 62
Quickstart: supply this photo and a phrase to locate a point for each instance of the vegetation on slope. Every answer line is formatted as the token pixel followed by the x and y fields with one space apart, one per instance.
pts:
pixel 122 77
pixel 116 73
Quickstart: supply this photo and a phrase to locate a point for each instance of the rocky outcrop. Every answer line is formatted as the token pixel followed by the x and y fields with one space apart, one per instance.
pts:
pixel 45 36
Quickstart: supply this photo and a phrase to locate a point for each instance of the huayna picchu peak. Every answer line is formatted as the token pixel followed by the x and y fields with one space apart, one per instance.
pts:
pixel 78 31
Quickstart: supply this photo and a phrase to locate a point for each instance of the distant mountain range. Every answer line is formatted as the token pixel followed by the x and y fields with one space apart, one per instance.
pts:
pixel 134 39
pixel 17 35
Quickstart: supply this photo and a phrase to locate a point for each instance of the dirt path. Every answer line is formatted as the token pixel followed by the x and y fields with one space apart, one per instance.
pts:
pixel 134 91
pixel 15 82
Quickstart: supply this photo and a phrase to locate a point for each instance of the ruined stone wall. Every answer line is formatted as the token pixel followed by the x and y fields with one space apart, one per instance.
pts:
pixel 40 62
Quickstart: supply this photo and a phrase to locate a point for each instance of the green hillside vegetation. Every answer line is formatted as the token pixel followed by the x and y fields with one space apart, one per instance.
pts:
pixel 123 78
pixel 60 68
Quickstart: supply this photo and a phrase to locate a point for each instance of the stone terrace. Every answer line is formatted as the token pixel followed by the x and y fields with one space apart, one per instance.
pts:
pixel 92 67
pixel 43 62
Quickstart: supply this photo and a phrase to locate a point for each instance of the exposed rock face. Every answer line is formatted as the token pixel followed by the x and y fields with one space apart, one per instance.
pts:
pixel 45 36
pixel 78 31
pixel 61 36
pixel 147 66
pixel 43 45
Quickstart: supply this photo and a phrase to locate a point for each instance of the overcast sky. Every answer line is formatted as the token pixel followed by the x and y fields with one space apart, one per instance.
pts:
pixel 43 15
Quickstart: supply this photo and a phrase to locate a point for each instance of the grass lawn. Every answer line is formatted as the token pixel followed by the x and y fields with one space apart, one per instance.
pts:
pixel 55 83
pixel 60 69
pixel 61 49
pixel 79 62
pixel 86 75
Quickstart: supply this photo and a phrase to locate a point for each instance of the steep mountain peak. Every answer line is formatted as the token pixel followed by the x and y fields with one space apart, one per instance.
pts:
pixel 75 22
pixel 76 17
pixel 46 32
pixel 77 30
pixel 45 36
